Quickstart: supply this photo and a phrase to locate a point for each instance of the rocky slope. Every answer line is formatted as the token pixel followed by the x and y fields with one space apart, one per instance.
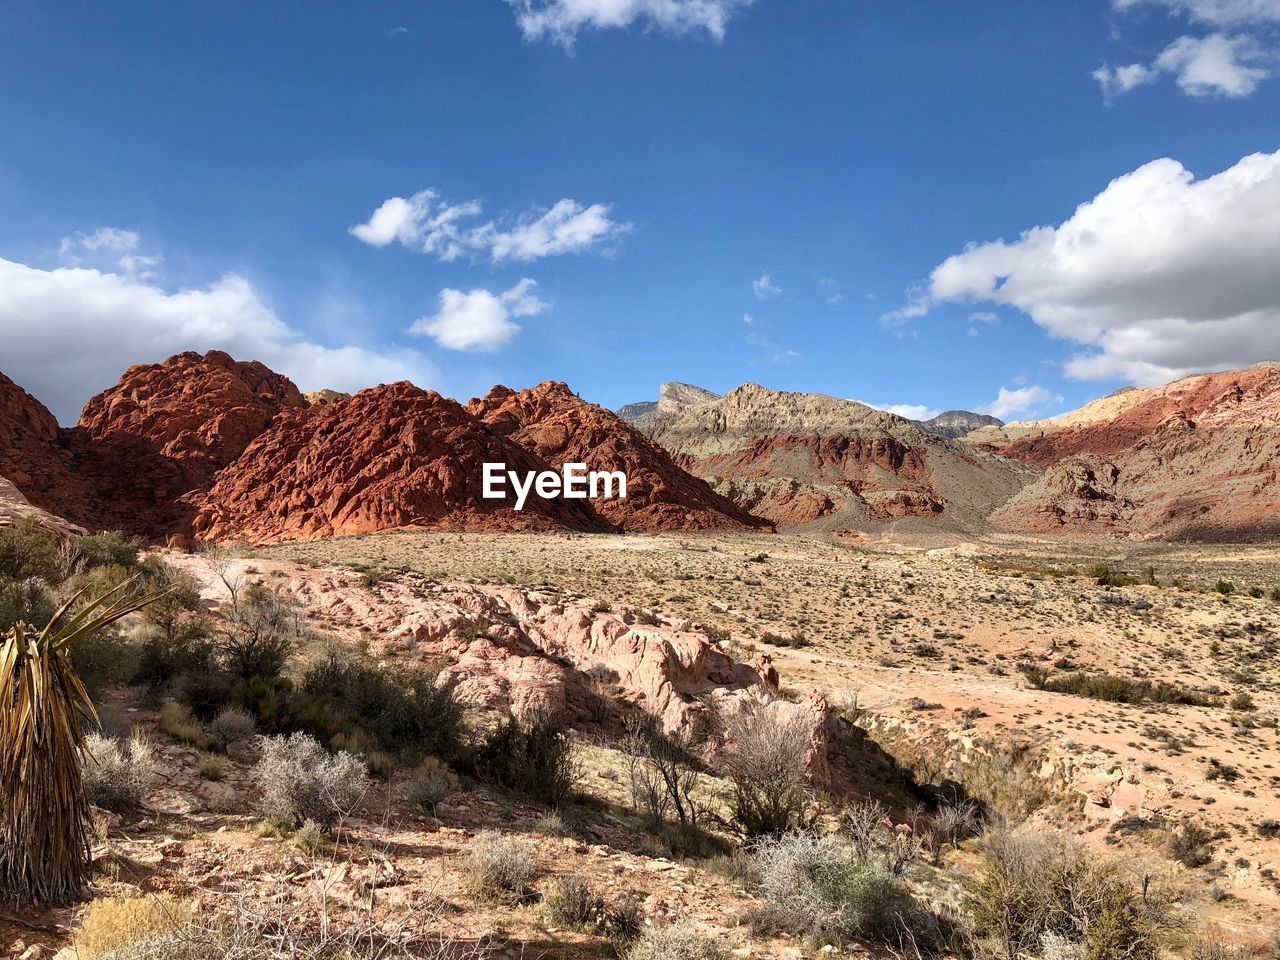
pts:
pixel 956 423
pixel 33 457
pixel 393 456
pixel 555 425
pixel 1195 459
pixel 16 509
pixel 802 459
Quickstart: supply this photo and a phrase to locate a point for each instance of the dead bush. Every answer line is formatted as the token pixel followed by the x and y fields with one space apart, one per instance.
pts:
pixel 766 755
pixel 499 865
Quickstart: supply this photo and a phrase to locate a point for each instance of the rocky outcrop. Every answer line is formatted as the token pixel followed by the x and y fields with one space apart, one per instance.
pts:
pixel 522 652
pixel 956 423
pixel 673 397
pixel 16 509
pixel 318 398
pixel 390 457
pixel 1196 459
pixel 551 422
pixel 807 459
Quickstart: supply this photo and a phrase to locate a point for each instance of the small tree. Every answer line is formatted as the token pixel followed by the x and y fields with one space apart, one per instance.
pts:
pixel 663 772
pixel 44 709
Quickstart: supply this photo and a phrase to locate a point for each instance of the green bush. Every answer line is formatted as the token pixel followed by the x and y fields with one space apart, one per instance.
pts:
pixel 28 552
pixel 1115 689
pixel 107 549
pixel 532 757
pixel 409 714
pixel 1191 846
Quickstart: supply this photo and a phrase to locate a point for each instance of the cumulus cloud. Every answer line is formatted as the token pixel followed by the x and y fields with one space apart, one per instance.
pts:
pixel 765 288
pixel 69 332
pixel 911 411
pixel 1221 13
pixel 478 320
pixel 112 249
pixel 1158 276
pixel 1009 403
pixel 561 20
pixel 1216 65
pixel 426 223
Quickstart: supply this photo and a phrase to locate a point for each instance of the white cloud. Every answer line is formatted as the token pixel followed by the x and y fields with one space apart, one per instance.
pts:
pixel 1008 402
pixel 1221 13
pixel 911 411
pixel 749 320
pixel 1216 65
pixel 1158 276
pixel 561 20
pixel 765 288
pixel 479 320
pixel 112 249
pixel 67 333
pixel 425 223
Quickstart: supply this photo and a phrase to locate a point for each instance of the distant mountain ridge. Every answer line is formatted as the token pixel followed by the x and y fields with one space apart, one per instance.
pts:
pixel 802 459
pixel 957 423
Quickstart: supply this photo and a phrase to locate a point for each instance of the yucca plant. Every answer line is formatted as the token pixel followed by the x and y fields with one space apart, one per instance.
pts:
pixel 44 711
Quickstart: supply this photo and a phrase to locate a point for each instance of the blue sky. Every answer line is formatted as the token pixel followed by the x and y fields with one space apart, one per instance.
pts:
pixel 629 191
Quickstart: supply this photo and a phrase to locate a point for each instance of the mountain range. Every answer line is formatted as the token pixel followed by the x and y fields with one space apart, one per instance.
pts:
pixel 209 447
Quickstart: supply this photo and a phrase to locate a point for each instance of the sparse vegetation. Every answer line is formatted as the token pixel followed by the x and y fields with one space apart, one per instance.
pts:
pixel 299 781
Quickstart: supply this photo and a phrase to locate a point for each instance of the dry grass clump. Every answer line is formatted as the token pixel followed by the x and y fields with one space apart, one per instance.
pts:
pixel 500 866
pixel 116 773
pixel 572 902
pixel 301 781
pixel 431 785
pixel 113 924
pixel 673 943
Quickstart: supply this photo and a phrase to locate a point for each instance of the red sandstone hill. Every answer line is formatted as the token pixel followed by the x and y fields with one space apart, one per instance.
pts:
pixel 557 426
pixel 155 440
pixel 390 457
pixel 1195 459
pixel 803 459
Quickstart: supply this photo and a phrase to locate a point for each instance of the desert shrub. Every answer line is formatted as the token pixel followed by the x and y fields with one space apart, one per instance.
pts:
pixel 766 757
pixel 818 887
pixel 1243 701
pixel 172 650
pixel 103 659
pixel 107 549
pixel 177 721
pixel 1191 846
pixel 1107 576
pixel 300 781
pixel 28 552
pixel 266 627
pixel 797 640
pixel 213 769
pixel 1038 889
pixel 112 924
pixel 571 902
pixel 1114 689
pixel 953 822
pixel 1225 587
pixel 673 943
pixel 432 784
pixel 662 773
pixel 409 714
pixel 231 725
pixel 532 757
pixel 116 773
pixel 25 601
pixel 499 865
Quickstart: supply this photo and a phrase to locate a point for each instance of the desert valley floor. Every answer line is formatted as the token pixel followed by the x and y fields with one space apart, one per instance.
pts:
pixel 927 647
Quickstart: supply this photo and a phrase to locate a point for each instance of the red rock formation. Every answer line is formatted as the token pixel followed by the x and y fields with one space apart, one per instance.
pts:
pixel 394 456
pixel 32 456
pixel 550 421
pixel 153 441
pixel 1196 459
